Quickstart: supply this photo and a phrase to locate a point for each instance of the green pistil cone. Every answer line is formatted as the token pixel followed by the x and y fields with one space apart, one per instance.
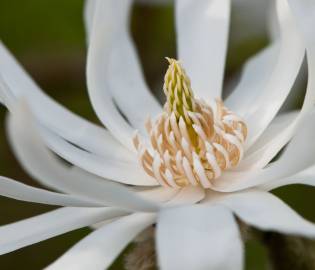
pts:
pixel 179 95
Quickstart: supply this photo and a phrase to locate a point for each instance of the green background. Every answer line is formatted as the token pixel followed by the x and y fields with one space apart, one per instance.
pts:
pixel 48 39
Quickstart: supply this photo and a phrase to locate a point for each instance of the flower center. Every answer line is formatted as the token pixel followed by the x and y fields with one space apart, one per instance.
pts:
pixel 191 142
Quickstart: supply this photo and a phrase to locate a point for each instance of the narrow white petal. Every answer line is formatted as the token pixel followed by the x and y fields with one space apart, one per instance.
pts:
pixel 279 84
pixel 160 194
pixel 202 37
pixel 256 73
pixel 298 156
pixel 19 191
pixel 89 11
pixel 198 237
pixel 266 212
pixel 98 250
pixel 127 172
pixel 279 123
pixel 44 166
pixel 113 73
pixel 39 228
pixel 125 77
pixel 51 114
pixel 109 168
pixel 187 196
pixel 305 20
pixel 305 177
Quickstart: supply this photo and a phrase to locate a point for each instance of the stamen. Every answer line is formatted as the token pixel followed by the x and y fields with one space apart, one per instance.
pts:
pixel 191 142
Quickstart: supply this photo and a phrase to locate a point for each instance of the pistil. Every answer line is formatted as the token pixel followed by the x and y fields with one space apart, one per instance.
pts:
pixel 191 142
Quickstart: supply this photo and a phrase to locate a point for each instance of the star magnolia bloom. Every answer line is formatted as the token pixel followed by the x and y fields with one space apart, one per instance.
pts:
pixel 194 203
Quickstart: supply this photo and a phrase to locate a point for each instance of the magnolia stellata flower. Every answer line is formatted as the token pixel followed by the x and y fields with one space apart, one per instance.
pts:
pixel 200 161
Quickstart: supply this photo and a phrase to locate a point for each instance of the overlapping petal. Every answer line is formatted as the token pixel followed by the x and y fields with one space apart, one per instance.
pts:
pixel 27 143
pixel 16 83
pixel 113 71
pixel 32 230
pixel 278 85
pixel 98 250
pixel 18 191
pixel 202 35
pixel 264 155
pixel 198 237
pixel 266 212
pixel 186 223
pixel 41 164
pixel 298 156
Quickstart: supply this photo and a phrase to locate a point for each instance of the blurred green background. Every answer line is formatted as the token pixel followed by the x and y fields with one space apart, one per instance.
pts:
pixel 48 39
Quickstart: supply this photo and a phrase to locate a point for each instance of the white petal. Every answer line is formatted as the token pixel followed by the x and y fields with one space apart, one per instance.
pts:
pixel 256 72
pixel 98 250
pixel 19 191
pixel 202 37
pixel 90 6
pixel 266 212
pixel 278 86
pixel 298 156
pixel 187 196
pixel 303 11
pixel 41 164
pixel 305 21
pixel 280 122
pixel 268 77
pixel 305 177
pixel 125 77
pixel 127 172
pixel 49 113
pixel 33 230
pixel 89 11
pixel 113 73
pixel 160 194
pixel 198 237
pixel 109 168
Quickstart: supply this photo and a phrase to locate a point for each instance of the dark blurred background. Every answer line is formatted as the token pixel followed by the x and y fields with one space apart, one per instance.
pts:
pixel 48 38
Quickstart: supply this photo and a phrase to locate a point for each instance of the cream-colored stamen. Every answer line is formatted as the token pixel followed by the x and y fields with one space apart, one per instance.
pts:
pixel 191 142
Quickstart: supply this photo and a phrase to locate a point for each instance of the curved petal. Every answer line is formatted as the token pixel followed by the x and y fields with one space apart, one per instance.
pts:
pixel 89 12
pixel 18 191
pixel 279 123
pixel 255 75
pixel 260 158
pixel 90 5
pixel 279 84
pixel 113 73
pixel 266 212
pixel 125 78
pixel 305 177
pixel 286 165
pixel 158 194
pixel 202 38
pixel 16 83
pixel 187 196
pixel 98 250
pixel 198 237
pixel 109 168
pixel 39 228
pixel 41 164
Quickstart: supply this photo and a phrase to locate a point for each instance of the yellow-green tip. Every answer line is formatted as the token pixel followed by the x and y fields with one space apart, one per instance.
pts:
pixel 179 95
pixel 177 89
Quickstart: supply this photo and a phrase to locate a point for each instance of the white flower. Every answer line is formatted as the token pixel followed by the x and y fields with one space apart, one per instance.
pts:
pixel 195 227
